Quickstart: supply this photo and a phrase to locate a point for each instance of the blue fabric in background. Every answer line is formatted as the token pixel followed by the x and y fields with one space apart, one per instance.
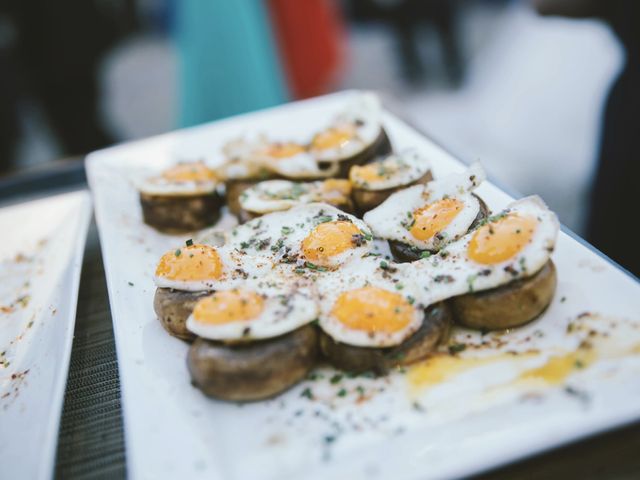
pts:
pixel 228 59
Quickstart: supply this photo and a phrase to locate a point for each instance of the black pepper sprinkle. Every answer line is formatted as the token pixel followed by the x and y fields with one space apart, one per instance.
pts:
pixel 510 270
pixel 357 239
pixel 580 395
pixel 263 244
pixel 443 279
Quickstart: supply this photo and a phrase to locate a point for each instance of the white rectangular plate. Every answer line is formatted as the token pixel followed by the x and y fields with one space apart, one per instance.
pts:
pixel 41 259
pixel 450 416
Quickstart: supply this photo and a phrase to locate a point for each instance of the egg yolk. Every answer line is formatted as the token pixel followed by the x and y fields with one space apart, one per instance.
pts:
pixel 501 240
pixel 329 239
pixel 191 263
pixel 228 306
pixel 284 150
pixel 434 218
pixel 373 309
pixel 336 185
pixel 333 138
pixel 372 173
pixel 189 172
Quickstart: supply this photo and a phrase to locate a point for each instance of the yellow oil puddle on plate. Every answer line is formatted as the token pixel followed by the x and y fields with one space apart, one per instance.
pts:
pixel 555 371
pixel 440 368
pixel 558 368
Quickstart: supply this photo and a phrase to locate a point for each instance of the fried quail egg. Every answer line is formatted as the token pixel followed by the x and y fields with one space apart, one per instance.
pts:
pixel 261 158
pixel 390 172
pixel 314 234
pixel 277 195
pixel 513 244
pixel 294 161
pixel 255 310
pixel 369 304
pixel 243 159
pixel 351 132
pixel 429 216
pixel 189 178
pixel 199 267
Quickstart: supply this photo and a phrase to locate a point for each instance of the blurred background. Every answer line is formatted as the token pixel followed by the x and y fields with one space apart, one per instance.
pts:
pixel 524 86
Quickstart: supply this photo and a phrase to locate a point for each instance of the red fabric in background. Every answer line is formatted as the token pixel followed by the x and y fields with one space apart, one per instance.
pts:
pixel 310 38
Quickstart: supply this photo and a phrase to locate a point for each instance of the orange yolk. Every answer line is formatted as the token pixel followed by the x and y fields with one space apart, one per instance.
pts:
pixel 434 218
pixel 501 240
pixel 284 150
pixel 372 173
pixel 189 172
pixel 194 262
pixel 327 240
pixel 228 306
pixel 373 309
pixel 333 138
pixel 335 185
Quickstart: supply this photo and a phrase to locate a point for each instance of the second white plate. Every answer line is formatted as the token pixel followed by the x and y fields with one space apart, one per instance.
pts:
pixel 40 262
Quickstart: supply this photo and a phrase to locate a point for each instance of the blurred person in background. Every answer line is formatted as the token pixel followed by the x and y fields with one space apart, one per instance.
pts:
pixel 50 53
pixel 406 18
pixel 241 56
pixel 616 180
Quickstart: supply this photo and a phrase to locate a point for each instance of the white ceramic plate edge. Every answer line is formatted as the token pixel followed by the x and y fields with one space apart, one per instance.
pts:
pixel 84 219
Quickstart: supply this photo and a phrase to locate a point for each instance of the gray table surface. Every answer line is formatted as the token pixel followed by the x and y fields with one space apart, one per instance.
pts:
pixel 91 438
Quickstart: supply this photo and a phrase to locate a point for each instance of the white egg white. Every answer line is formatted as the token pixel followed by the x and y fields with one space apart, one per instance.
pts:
pixel 243 158
pixel 249 158
pixel 277 195
pixel 278 236
pixel 364 113
pixel 158 185
pixel 367 271
pixel 237 267
pixel 301 165
pixel 396 170
pixel 451 272
pixel 393 218
pixel 274 195
pixel 287 307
